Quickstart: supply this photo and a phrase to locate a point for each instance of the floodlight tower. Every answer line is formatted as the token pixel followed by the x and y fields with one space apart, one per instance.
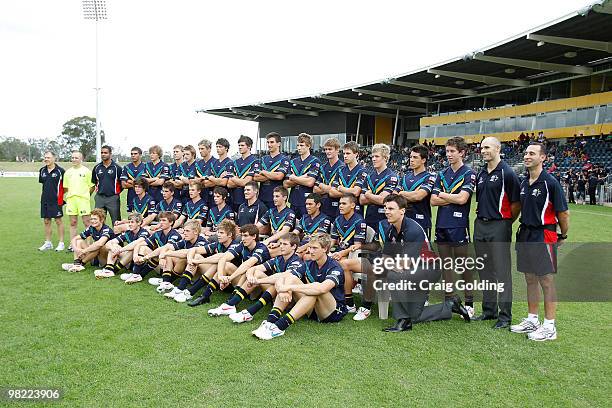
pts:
pixel 96 10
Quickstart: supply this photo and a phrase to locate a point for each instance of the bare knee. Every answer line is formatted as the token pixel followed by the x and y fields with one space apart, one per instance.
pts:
pixel 531 279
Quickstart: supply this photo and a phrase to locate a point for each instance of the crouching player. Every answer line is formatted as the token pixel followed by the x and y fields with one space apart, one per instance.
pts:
pixel 121 248
pixel 319 292
pixel 83 250
pixel 146 252
pixel 266 275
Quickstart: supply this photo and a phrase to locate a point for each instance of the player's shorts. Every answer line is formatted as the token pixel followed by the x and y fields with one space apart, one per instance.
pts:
pixel 335 316
pixel 50 210
pixel 78 206
pixel 453 236
pixel 536 250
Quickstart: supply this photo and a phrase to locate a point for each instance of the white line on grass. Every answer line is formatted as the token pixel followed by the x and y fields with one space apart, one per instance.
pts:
pixel 591 212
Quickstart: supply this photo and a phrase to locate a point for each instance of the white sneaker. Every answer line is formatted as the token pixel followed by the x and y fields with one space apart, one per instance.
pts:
pixel 46 246
pixel 263 326
pixel 223 310
pixel 183 296
pixel 135 278
pixel 362 314
pixel 270 332
pixel 470 311
pixel 125 276
pixel 525 326
pixel 60 247
pixel 351 309
pixel 358 290
pixel 241 317
pixel 76 268
pixel 105 273
pixel 67 266
pixel 543 333
pixel 155 281
pixel 172 293
pixel 164 287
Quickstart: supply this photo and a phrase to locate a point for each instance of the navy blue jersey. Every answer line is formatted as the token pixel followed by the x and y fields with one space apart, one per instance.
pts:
pixel 421 210
pixel 216 170
pixel 351 178
pixel 174 206
pixel 52 185
pixel 454 182
pixel 331 270
pixel 348 232
pixel 217 247
pixel 411 236
pixel 189 171
pixel 203 169
pixel 293 264
pixel 96 234
pixel 242 168
pixel 128 236
pixel 131 173
pixel 251 214
pixel 541 201
pixel 107 179
pixel 308 225
pixel 495 191
pixel 277 163
pixel 259 252
pixel 329 175
pixel 184 244
pixel 174 170
pixel 216 215
pixel 143 206
pixel 278 219
pixel 159 238
pixel 307 167
pixel 377 183
pixel 196 210
pixel 161 170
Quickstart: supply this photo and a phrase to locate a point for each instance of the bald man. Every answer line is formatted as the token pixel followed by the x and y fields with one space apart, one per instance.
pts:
pixel 498 197
pixel 77 190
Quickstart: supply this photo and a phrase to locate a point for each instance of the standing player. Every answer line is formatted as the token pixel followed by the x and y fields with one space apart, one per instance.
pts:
pixel 77 192
pixel 51 177
pixel 85 252
pixel 304 173
pixel 242 172
pixel 106 177
pixel 271 169
pixel 252 210
pixel 351 176
pixel 203 166
pixel 313 222
pixel 187 171
pixel 498 197
pixel 175 168
pixel 220 171
pixel 543 207
pixel 328 178
pixel 131 172
pixel 379 183
pixel 452 193
pixel 156 172
pixel 280 219
pixel 219 212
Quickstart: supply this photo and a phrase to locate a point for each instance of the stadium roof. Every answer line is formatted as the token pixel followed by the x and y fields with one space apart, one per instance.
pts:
pixel 571 47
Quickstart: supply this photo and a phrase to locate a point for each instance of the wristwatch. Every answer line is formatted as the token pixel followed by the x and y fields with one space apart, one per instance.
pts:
pixel 561 236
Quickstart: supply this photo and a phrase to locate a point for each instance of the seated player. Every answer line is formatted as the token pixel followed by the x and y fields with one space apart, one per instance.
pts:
pixel 168 203
pixel 195 208
pixel 313 222
pixel 253 209
pixel 121 248
pixel 251 253
pixel 83 250
pixel 142 203
pixel 280 219
pixel 319 293
pixel 266 275
pixel 147 251
pixel 219 212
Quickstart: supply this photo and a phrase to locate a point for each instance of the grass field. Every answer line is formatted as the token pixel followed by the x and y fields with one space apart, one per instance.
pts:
pixel 108 344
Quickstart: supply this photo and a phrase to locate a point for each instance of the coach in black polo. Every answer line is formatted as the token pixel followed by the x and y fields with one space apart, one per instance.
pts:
pixel 498 197
pixel 107 178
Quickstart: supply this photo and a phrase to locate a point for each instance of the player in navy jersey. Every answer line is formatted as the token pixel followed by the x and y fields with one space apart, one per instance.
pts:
pixel 351 176
pixel 279 220
pixel 543 208
pixel 328 178
pixel 84 252
pixel 271 169
pixel 131 172
pixel 106 177
pixel 187 172
pixel 379 183
pixel 121 248
pixel 251 253
pixel 313 222
pixel 220 171
pixel 156 172
pixel 498 205
pixel 452 195
pixel 51 200
pixel 304 171
pixel 146 252
pixel 142 203
pixel 219 212
pixel 175 168
pixel 195 208
pixel 416 187
pixel 203 166
pixel 242 172
pixel 168 203
pixel 252 210
pixel 319 293
pixel 265 275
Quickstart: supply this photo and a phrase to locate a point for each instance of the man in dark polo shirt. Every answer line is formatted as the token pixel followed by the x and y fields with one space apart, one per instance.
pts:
pixel 543 207
pixel 51 176
pixel 252 209
pixel 497 194
pixel 107 178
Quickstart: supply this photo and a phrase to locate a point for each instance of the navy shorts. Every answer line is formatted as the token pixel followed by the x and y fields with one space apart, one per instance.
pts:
pixel 335 316
pixel 453 236
pixel 536 250
pixel 51 210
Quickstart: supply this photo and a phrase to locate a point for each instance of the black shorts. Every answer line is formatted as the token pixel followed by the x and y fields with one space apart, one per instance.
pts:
pixel 536 250
pixel 453 236
pixel 51 210
pixel 334 317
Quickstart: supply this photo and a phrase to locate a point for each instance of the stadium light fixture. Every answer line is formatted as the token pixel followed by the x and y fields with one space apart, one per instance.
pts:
pixel 540 43
pixel 509 70
pixel 570 54
pixel 96 10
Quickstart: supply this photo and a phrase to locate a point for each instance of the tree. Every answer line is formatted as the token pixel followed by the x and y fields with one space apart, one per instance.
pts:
pixel 13 149
pixel 80 134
